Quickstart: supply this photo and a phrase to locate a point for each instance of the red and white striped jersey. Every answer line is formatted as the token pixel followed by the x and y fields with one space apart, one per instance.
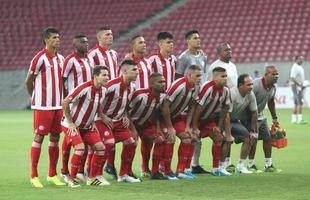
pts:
pixel 85 103
pixel 164 66
pixel 180 94
pixel 106 57
pixel 117 98
pixel 143 106
pixel 212 99
pixel 144 69
pixel 76 70
pixel 47 90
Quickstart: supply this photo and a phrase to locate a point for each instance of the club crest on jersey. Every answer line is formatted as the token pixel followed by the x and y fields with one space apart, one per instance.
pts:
pixel 106 133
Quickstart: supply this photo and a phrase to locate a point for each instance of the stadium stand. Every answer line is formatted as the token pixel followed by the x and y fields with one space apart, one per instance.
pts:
pixel 23 21
pixel 259 31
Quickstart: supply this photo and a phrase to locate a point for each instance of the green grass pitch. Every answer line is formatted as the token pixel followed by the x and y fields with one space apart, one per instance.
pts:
pixel 293 183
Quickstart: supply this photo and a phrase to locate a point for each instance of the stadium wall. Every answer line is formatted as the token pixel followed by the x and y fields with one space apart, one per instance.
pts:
pixel 13 94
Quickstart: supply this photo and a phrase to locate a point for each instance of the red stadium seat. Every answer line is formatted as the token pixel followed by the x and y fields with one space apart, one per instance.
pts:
pixel 22 22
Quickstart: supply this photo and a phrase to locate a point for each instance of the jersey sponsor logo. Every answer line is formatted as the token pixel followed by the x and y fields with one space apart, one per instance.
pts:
pixel 106 133
pixel 41 127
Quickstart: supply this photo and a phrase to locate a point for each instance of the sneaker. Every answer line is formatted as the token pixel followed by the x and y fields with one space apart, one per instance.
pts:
pixel 146 174
pixel 231 168
pixel 35 182
pixel 199 170
pixel 254 169
pixel 129 179
pixel 110 170
pixel 182 175
pixel 97 181
pixel 271 168
pixel 65 177
pixel 134 176
pixel 171 176
pixel 55 180
pixel 189 173
pixel 158 176
pixel 220 172
pixel 82 177
pixel 302 122
pixel 73 183
pixel 243 170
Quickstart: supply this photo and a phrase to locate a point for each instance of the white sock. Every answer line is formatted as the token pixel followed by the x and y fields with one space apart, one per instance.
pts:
pixel 299 118
pixel 251 162
pixel 268 162
pixel 294 118
pixel 195 160
pixel 215 169
pixel 222 165
pixel 240 163
pixel 228 161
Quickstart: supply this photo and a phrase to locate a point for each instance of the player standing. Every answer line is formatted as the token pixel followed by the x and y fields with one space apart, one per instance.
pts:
pixel 44 85
pixel 193 55
pixel 163 61
pixel 138 55
pixel 101 54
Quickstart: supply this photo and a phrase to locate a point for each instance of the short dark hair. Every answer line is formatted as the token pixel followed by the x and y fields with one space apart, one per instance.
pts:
pixel 127 62
pixel 103 28
pixel 188 34
pixel 297 56
pixel 155 75
pixel 46 33
pixel 79 36
pixel 134 37
pixel 164 35
pixel 97 69
pixel 268 68
pixel 193 68
pixel 218 69
pixel 241 79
